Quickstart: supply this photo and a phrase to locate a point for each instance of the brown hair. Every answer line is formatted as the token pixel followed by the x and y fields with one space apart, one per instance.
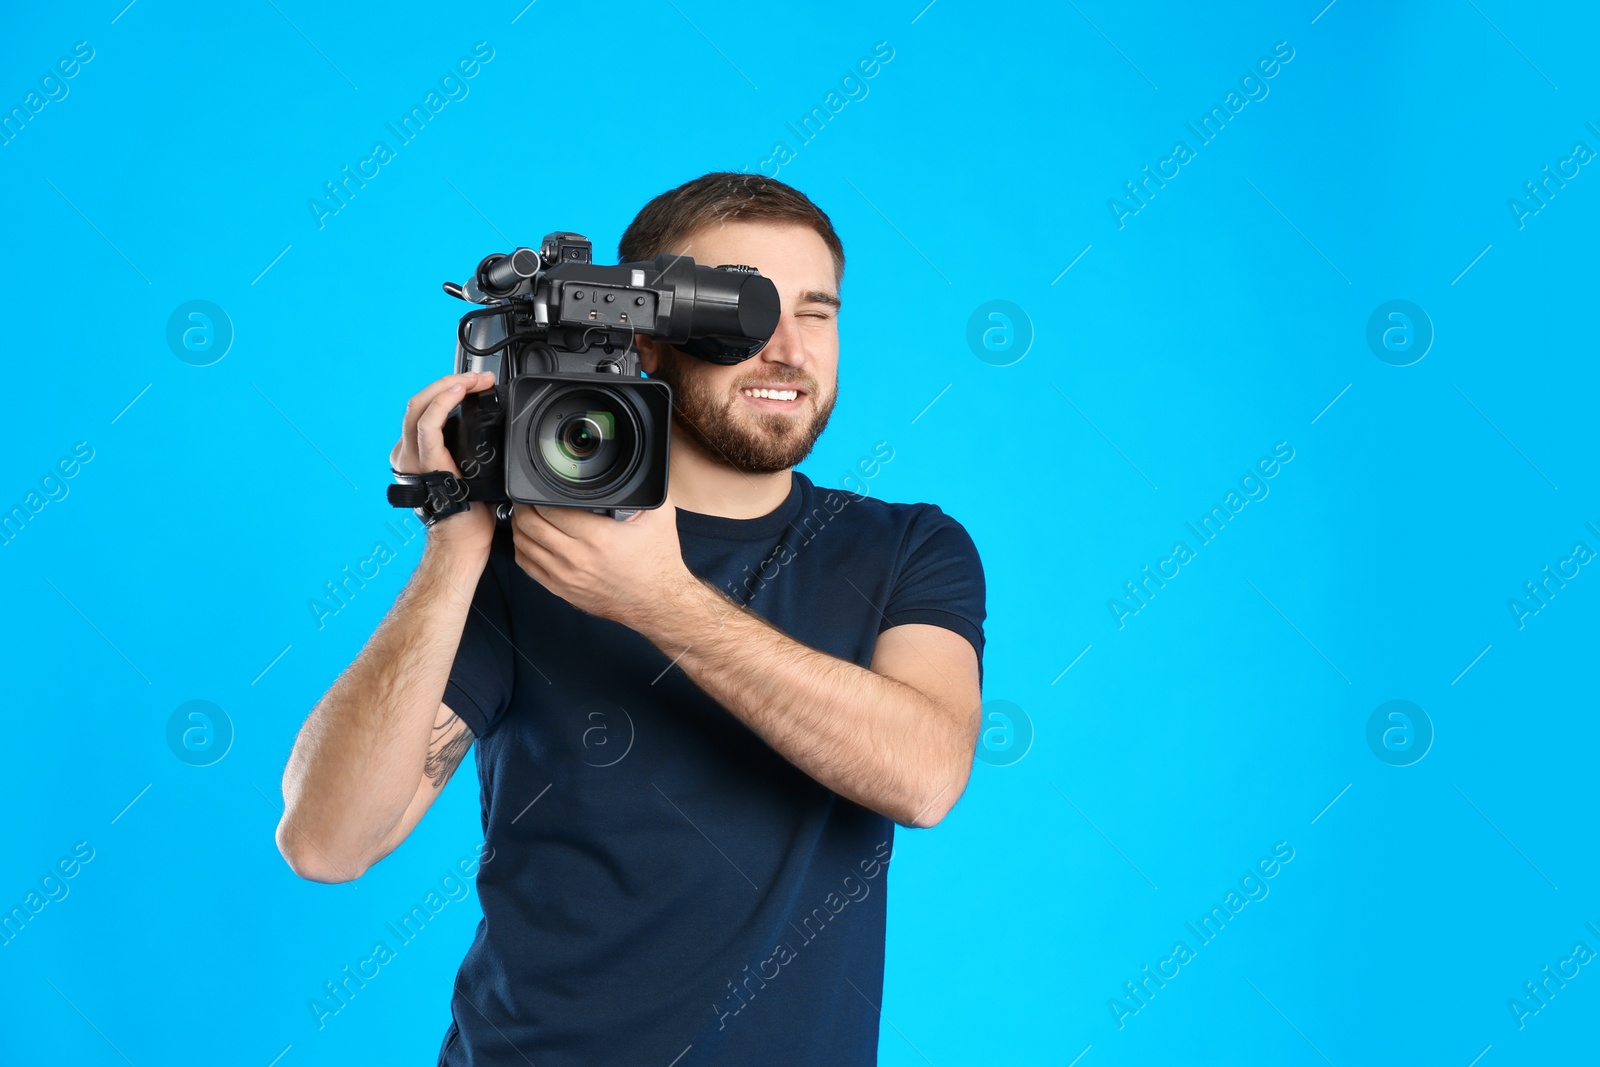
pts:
pixel 722 196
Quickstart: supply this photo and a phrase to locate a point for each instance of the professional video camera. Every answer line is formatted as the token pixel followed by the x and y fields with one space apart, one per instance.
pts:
pixel 571 421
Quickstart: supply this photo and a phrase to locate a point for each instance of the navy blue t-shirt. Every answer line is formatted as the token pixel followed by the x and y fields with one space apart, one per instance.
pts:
pixel 660 885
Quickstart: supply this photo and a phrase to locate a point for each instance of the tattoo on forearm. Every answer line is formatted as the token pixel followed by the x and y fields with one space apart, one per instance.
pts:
pixel 450 741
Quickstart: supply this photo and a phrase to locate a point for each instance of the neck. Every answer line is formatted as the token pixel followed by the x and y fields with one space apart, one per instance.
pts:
pixel 707 485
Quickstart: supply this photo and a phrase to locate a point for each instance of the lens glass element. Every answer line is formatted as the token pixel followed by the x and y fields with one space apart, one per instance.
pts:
pixel 585 438
pixel 583 434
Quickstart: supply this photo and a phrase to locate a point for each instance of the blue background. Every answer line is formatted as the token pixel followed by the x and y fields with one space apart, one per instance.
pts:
pixel 1228 715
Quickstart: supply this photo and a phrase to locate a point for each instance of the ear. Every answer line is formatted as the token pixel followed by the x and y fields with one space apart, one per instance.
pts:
pixel 649 354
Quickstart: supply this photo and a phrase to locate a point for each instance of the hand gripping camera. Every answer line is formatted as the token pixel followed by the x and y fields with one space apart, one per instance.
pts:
pixel 571 421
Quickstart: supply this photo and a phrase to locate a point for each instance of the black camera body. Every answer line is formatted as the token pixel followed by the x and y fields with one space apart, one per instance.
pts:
pixel 571 421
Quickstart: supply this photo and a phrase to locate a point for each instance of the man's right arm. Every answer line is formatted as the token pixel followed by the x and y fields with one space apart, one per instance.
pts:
pixel 380 744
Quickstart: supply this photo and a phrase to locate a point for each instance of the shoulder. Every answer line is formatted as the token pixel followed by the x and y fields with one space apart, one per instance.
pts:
pixel 911 527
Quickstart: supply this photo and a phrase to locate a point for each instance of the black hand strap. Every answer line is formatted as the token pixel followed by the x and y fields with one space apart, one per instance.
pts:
pixel 433 496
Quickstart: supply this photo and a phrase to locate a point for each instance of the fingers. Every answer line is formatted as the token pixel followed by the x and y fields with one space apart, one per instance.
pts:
pixel 428 440
pixel 528 521
pixel 531 556
pixel 406 456
pixel 417 451
pixel 419 403
pixel 564 521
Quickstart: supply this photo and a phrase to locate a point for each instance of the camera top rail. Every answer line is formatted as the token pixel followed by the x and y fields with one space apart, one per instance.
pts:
pixel 722 315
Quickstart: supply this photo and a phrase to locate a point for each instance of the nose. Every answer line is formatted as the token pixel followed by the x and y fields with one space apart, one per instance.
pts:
pixel 786 345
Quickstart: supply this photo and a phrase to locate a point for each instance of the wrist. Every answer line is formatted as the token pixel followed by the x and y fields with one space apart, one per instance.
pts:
pixel 686 609
pixel 458 560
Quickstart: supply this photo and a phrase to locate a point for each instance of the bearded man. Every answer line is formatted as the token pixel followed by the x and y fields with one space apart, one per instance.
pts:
pixel 696 729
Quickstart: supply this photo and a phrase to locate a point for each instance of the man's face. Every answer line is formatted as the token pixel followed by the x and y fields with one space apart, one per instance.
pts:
pixel 761 435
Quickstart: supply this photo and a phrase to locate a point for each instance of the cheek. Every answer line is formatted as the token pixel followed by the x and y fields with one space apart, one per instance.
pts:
pixel 826 372
pixel 823 353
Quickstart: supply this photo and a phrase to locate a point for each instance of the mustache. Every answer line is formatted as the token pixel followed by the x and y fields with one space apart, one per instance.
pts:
pixel 804 383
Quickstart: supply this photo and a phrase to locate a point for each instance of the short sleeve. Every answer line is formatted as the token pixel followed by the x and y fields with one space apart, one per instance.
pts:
pixel 940 580
pixel 479 689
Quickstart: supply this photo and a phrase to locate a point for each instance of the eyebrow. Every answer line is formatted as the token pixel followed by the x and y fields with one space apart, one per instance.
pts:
pixel 817 296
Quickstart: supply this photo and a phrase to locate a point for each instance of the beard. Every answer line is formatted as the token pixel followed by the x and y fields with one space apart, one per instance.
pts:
pixel 755 442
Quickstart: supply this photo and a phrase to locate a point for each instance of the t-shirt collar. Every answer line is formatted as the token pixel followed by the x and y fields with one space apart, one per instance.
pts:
pixel 760 528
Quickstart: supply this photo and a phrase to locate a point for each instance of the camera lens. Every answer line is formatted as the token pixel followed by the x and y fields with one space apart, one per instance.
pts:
pixel 585 439
pixel 580 436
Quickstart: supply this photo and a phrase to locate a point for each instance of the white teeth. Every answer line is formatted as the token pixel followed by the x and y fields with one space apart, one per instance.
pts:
pixel 772 394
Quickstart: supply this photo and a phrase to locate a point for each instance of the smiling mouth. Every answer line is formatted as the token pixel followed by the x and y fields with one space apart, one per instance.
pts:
pixel 776 399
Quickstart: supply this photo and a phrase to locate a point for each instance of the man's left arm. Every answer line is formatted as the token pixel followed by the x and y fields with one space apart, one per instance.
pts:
pixel 897 738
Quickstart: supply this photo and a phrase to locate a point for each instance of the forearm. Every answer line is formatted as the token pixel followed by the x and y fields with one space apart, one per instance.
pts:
pixel 869 738
pixel 360 755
